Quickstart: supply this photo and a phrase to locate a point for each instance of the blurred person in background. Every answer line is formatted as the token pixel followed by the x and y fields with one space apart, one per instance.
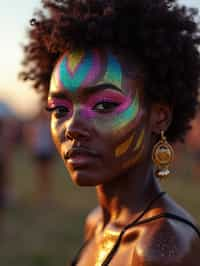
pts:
pixel 121 81
pixel 7 143
pixel 41 147
pixel 193 145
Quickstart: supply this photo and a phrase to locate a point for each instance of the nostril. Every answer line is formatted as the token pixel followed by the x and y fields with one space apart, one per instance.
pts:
pixel 76 133
pixel 68 135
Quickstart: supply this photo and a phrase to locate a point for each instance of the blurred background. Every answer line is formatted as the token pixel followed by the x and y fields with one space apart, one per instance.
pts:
pixel 41 212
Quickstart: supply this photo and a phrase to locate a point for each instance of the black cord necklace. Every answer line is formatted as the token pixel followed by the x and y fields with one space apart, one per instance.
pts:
pixel 136 221
pixel 133 223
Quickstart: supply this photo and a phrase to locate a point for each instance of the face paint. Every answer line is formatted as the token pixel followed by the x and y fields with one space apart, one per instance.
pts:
pixel 82 69
pixel 140 141
pixel 79 69
pixel 124 147
pixel 101 101
pixel 110 97
pixel 55 105
pixel 138 149
pixel 133 160
pixel 128 115
pixel 126 111
pixel 113 73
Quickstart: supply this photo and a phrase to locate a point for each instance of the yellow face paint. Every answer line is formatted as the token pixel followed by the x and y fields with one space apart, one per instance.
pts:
pixel 123 148
pixel 74 60
pixel 140 141
pixel 133 160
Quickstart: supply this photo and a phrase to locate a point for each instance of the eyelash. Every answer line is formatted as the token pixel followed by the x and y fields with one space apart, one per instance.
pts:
pixel 57 108
pixel 110 107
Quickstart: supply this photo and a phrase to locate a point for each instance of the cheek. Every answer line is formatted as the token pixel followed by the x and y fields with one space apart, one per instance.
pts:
pixel 56 132
pixel 135 151
pixel 133 144
pixel 122 122
pixel 129 117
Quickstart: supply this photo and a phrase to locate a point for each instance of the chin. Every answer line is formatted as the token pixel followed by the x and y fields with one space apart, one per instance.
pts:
pixel 84 179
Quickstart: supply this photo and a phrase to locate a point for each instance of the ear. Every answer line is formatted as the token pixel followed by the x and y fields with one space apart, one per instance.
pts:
pixel 160 118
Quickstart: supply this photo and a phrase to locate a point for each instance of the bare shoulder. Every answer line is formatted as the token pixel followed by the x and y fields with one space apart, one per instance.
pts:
pixel 167 242
pixel 92 221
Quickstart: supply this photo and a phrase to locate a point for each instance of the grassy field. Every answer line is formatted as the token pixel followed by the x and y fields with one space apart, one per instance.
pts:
pixel 35 235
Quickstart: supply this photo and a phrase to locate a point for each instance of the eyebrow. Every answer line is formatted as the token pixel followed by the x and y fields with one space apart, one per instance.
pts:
pixel 59 95
pixel 88 90
pixel 100 87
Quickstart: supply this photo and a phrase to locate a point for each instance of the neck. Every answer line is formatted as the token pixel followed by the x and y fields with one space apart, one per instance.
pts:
pixel 123 198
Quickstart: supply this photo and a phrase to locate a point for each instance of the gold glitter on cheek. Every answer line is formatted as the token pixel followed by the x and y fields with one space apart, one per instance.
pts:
pixel 123 148
pixel 140 141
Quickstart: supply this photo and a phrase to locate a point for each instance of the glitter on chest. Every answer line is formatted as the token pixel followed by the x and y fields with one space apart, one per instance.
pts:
pixel 105 244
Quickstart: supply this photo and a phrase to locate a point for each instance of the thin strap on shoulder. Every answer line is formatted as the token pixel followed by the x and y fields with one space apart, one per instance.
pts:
pixel 181 219
pixel 114 249
pixel 134 223
pixel 171 216
pixel 137 222
pixel 76 258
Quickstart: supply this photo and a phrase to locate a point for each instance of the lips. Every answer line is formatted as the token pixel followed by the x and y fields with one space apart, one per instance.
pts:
pixel 80 156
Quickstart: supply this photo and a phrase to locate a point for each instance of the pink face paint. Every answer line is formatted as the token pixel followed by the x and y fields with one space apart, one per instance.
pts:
pixel 80 69
pixel 120 101
pixel 54 104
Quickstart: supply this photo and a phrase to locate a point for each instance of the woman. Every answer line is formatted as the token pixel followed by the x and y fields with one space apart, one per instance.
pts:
pixel 122 82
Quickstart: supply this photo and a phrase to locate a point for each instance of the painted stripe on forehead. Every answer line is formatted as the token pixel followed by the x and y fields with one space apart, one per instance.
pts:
pixel 74 59
pixel 73 80
pixel 129 114
pixel 81 69
pixel 113 73
pixel 95 70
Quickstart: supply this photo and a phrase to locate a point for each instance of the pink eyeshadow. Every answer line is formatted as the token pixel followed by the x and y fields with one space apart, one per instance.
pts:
pixel 110 96
pixel 106 95
pixel 59 102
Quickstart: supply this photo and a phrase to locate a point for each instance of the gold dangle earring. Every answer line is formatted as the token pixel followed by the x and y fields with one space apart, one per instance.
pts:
pixel 162 156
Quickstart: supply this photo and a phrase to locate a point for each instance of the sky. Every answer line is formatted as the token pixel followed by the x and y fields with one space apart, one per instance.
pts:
pixel 14 18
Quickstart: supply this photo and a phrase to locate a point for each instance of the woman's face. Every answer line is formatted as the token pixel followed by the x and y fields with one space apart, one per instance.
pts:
pixel 98 118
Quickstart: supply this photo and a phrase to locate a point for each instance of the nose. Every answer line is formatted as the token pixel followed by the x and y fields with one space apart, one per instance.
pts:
pixel 77 127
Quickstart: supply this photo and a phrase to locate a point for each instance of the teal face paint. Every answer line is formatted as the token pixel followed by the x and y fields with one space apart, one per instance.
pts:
pixel 113 73
pixel 71 78
pixel 78 70
pixel 86 69
pixel 129 114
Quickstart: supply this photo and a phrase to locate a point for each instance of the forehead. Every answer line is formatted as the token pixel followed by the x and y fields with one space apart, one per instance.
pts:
pixel 82 69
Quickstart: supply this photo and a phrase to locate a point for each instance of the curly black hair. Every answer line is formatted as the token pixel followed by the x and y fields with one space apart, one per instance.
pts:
pixel 163 35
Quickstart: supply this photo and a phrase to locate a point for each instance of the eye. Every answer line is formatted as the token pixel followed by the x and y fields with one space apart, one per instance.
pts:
pixel 105 106
pixel 58 111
